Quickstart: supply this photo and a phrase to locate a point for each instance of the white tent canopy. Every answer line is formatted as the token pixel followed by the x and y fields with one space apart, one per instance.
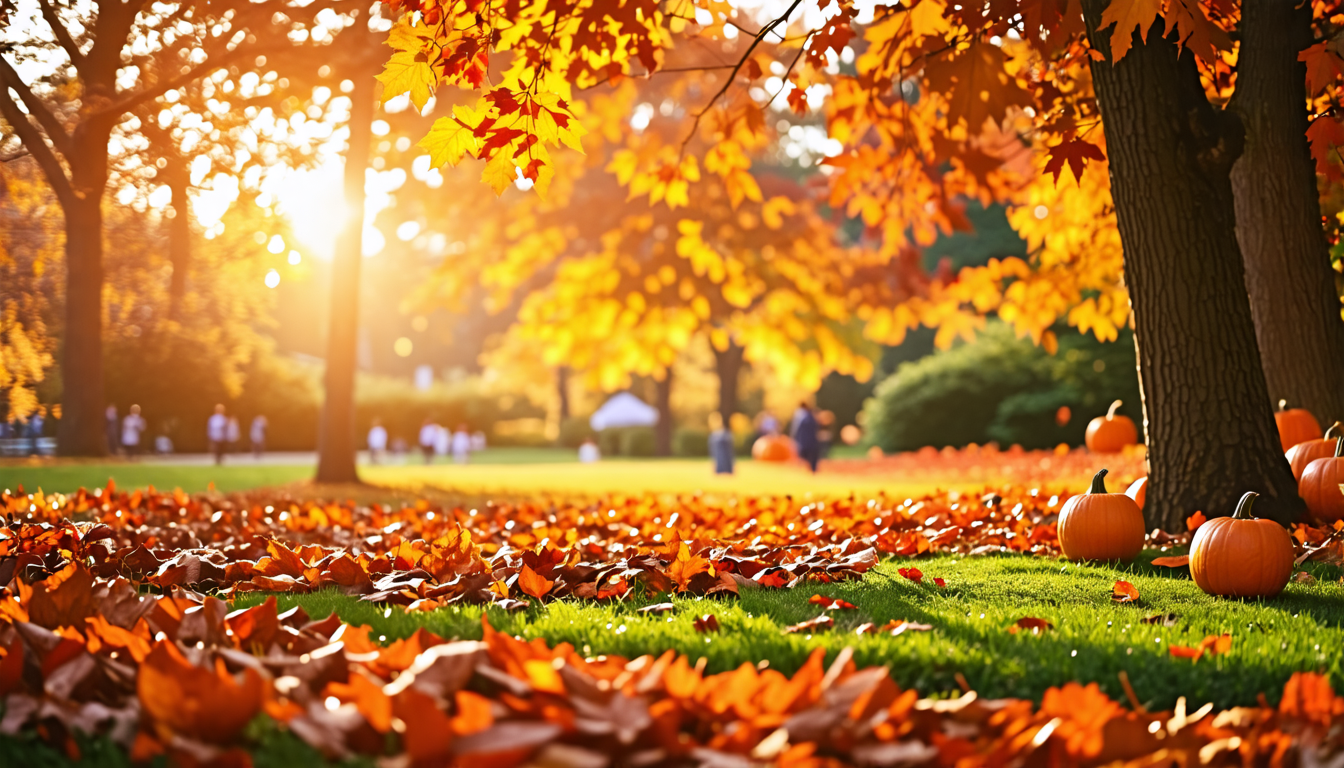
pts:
pixel 624 410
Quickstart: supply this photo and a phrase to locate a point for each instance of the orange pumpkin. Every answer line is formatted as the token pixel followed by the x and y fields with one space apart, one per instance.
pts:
pixel 1241 556
pixel 1111 433
pixel 1138 491
pixel 1296 425
pixel 1100 526
pixel 1319 486
pixel 1302 454
pixel 774 448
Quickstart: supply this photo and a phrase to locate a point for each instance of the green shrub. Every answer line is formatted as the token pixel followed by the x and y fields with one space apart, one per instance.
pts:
pixel 690 442
pixel 1005 389
pixel 574 430
pixel 638 441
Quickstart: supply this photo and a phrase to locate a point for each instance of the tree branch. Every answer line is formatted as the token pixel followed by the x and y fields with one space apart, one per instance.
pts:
pixel 738 68
pixel 62 34
pixel 55 131
pixel 33 142
pixel 131 102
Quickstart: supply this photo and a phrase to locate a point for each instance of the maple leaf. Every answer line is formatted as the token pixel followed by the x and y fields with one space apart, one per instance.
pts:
pixel 707 623
pixel 500 173
pixel 205 704
pixel 1076 153
pixel 1326 134
pixel 1035 625
pixel 977 86
pixel 1194 521
pixel 451 138
pixel 533 584
pixel 685 567
pixel 407 72
pixel 1178 561
pixel 913 574
pixel 1211 645
pixel 1126 15
pixel 1324 66
pixel 1124 592
pixel 818 624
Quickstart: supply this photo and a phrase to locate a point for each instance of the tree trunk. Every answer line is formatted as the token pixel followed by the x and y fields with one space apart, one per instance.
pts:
pixel 82 430
pixel 662 432
pixel 336 438
pixel 178 179
pixel 1211 434
pixel 1288 274
pixel 728 364
pixel 562 391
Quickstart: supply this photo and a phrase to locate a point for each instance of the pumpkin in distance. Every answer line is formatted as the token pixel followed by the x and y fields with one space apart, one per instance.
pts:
pixel 774 448
pixel 1302 454
pixel 1138 491
pixel 1100 526
pixel 1319 486
pixel 1241 556
pixel 1111 433
pixel 1296 425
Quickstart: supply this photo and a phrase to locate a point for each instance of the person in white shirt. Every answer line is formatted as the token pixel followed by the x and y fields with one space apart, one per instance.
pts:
pixel 258 435
pixel 477 441
pixel 443 441
pixel 131 427
pixel 429 435
pixel 217 431
pixel 233 433
pixel 461 444
pixel 377 441
pixel 589 452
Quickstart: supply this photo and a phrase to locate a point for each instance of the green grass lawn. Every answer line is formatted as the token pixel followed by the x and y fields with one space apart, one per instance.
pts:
pixel 1094 639
pixel 494 472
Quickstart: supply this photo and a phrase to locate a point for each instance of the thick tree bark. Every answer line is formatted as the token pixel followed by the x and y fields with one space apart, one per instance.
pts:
pixel 336 438
pixel 728 365
pixel 82 430
pixel 662 432
pixel 1288 274
pixel 178 179
pixel 1211 434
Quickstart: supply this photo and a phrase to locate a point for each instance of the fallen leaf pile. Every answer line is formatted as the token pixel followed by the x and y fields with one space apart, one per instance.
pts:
pixel 988 464
pixel 180 675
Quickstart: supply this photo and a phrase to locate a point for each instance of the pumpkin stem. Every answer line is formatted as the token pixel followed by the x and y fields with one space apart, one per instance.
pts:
pixel 1110 413
pixel 1339 446
pixel 1099 481
pixel 1333 430
pixel 1244 506
pixel 1283 405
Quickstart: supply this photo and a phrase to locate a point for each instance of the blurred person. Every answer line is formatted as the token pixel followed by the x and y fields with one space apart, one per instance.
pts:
pixel 720 445
pixel 798 415
pixel 477 441
pixel 461 444
pixel 258 435
pixel 443 440
pixel 399 446
pixel 377 441
pixel 217 432
pixel 766 424
pixel 113 430
pixel 37 423
pixel 131 428
pixel 163 444
pixel 429 434
pixel 825 433
pixel 805 436
pixel 232 434
pixel 589 452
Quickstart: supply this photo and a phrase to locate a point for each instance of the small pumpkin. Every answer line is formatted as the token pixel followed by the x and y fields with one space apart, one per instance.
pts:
pixel 1296 425
pixel 1302 454
pixel 1111 433
pixel 1100 526
pixel 1319 486
pixel 775 448
pixel 1138 491
pixel 1241 556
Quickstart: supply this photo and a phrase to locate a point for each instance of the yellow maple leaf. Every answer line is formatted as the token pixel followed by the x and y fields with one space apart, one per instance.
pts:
pixel 500 172
pixel 405 72
pixel 448 141
pixel 1126 15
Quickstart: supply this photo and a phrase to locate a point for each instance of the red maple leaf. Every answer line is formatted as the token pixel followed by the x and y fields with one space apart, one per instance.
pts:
pixel 1076 153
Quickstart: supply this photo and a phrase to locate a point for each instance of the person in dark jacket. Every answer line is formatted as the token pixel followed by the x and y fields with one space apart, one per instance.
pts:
pixel 720 445
pixel 805 437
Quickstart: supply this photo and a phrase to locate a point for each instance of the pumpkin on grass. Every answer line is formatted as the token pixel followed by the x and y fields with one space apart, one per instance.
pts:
pixel 1296 425
pixel 1241 556
pixel 1319 486
pixel 1302 454
pixel 1100 526
pixel 1138 491
pixel 774 448
pixel 1111 433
